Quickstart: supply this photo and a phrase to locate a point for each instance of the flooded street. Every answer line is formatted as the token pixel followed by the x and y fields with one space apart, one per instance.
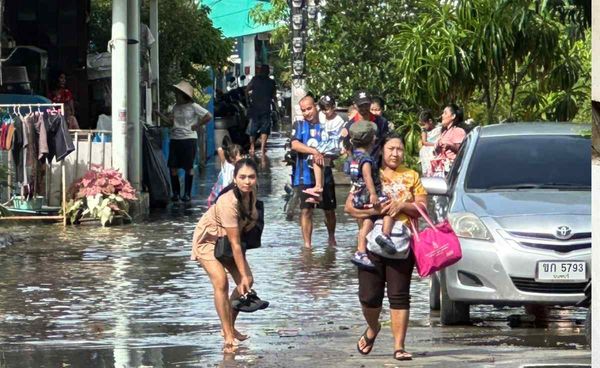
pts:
pixel 129 296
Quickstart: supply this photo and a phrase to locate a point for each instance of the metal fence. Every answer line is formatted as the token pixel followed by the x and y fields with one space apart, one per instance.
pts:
pixel 92 147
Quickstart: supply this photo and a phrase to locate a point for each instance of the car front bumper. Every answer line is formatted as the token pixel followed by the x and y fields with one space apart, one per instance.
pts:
pixel 502 272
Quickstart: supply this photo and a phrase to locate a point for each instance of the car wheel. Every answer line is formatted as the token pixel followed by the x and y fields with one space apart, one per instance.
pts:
pixel 434 292
pixel 452 312
pixel 588 326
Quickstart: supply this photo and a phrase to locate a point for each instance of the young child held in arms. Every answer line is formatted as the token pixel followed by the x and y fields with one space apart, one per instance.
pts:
pixel 228 157
pixel 366 188
pixel 329 146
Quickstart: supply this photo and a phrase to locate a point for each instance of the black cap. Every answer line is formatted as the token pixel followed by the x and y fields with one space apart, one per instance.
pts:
pixel 362 97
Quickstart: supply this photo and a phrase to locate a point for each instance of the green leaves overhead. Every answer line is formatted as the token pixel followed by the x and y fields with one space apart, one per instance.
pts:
pixel 503 60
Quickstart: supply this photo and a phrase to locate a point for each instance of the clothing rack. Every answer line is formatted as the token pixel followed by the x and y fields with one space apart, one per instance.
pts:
pixel 35 107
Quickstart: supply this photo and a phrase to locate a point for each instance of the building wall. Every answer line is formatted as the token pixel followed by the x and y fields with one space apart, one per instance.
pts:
pixel 248 57
pixel 59 27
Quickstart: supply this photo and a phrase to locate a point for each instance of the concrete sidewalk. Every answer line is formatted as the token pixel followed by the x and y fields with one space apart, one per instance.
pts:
pixel 431 347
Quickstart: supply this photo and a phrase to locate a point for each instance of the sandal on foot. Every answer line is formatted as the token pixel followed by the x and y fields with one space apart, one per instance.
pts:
pixel 368 342
pixel 361 260
pixel 402 354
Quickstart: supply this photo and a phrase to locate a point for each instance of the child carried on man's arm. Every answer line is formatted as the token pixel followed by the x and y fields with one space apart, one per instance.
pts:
pixel 329 146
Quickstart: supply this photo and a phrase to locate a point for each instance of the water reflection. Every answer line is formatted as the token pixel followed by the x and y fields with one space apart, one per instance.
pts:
pixel 87 296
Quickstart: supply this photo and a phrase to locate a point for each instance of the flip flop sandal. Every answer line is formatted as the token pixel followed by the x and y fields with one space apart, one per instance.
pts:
pixel 402 354
pixel 369 342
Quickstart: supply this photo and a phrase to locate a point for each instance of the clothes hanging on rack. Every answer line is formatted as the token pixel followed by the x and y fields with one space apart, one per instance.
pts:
pixel 34 140
pixel 60 143
pixel 10 137
pixel 17 148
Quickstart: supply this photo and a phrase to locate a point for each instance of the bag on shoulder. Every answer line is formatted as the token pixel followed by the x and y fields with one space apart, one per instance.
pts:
pixel 250 239
pixel 401 237
pixel 436 247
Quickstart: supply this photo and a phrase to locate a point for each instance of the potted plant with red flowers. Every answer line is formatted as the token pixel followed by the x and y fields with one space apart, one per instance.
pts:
pixel 101 194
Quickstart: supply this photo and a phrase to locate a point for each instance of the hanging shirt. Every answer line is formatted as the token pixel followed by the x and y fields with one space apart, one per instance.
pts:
pixel 310 135
pixel 185 117
pixel 60 143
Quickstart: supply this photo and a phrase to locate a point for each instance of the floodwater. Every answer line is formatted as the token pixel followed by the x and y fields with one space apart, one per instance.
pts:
pixel 88 296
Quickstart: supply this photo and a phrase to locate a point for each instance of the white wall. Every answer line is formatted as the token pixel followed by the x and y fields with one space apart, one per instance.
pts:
pixel 248 56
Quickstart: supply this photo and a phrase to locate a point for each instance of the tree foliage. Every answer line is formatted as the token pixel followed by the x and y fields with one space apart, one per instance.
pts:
pixel 188 41
pixel 502 59
pixel 280 55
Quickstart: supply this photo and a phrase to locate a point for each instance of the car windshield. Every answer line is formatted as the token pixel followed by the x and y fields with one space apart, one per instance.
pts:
pixel 530 162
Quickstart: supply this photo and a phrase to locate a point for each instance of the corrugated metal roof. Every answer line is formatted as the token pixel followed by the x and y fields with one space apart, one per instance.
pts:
pixel 233 18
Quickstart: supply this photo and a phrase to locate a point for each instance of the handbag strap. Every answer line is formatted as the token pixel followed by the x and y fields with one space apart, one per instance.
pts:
pixel 413 228
pixel 423 214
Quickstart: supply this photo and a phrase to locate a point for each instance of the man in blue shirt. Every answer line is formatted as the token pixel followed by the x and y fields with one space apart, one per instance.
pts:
pixel 306 135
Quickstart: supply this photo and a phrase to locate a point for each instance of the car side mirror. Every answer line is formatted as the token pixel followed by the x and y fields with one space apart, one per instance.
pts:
pixel 435 186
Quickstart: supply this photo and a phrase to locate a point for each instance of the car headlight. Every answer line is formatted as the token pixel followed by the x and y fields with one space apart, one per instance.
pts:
pixel 467 225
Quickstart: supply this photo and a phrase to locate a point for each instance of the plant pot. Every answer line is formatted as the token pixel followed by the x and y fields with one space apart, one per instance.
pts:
pixel 33 204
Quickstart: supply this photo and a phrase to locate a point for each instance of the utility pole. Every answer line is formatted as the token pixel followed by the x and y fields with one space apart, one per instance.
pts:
pixel 298 22
pixel 302 12
pixel 154 53
pixel 133 95
pixel 118 48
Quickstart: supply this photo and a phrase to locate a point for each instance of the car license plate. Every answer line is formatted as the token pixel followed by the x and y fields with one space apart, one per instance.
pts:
pixel 561 271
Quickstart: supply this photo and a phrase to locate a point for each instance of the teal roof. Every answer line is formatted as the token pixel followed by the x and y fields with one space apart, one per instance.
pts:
pixel 233 18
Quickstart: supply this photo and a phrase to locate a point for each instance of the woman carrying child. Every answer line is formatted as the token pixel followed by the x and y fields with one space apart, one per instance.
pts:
pixel 403 188
pixel 366 189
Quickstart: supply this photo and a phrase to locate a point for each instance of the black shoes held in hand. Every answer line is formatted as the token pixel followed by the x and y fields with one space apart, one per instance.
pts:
pixel 249 302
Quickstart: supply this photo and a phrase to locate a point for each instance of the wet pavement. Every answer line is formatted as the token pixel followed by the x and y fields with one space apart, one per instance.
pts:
pixel 129 296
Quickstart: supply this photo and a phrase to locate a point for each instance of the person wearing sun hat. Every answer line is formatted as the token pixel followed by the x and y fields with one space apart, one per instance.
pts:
pixel 185 118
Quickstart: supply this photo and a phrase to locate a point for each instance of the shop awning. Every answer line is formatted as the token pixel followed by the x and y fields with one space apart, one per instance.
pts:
pixel 233 17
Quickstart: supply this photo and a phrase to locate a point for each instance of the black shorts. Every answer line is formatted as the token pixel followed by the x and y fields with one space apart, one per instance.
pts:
pixel 328 200
pixel 261 124
pixel 182 153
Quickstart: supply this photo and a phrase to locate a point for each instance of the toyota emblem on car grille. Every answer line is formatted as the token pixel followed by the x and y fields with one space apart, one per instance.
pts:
pixel 563 232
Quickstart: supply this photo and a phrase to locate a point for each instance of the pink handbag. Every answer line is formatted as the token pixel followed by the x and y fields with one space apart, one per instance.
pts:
pixel 436 247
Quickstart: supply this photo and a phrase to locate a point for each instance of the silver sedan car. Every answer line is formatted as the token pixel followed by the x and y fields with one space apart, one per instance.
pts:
pixel 519 198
